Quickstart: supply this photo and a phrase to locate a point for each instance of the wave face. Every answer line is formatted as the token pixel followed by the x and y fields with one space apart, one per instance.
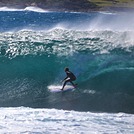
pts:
pixel 35 47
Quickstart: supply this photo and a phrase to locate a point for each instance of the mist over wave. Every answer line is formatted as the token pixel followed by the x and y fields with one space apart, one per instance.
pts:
pixel 34 18
pixel 35 47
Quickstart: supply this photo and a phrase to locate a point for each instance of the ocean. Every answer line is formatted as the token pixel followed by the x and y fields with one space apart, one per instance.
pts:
pixel 35 47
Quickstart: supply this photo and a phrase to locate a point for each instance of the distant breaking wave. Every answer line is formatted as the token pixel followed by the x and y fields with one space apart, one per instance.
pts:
pixel 30 8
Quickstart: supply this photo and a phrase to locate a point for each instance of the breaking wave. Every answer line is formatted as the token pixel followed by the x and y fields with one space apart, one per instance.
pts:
pixel 31 60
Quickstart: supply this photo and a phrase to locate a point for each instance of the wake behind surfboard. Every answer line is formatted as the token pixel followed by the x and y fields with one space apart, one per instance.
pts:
pixel 57 88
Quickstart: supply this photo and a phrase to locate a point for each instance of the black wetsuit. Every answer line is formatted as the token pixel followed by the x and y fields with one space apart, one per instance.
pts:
pixel 70 77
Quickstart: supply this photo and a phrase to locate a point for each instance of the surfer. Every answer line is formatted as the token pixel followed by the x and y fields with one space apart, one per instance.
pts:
pixel 69 78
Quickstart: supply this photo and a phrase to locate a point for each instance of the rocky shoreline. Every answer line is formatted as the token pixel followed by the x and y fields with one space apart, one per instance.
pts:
pixel 63 5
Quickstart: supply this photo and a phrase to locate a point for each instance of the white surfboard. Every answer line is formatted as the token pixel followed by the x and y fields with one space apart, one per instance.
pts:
pixel 57 88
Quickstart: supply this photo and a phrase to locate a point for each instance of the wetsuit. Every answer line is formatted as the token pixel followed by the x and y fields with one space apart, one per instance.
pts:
pixel 70 77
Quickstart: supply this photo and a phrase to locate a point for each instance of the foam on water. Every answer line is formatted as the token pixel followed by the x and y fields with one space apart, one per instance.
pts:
pixel 28 120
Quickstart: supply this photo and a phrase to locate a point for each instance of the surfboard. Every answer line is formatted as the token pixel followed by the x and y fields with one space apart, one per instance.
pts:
pixel 57 88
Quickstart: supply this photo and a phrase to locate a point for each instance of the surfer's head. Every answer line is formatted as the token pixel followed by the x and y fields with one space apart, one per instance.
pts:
pixel 66 69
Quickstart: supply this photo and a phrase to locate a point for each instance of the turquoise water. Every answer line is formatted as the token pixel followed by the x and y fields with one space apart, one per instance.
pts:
pixel 98 47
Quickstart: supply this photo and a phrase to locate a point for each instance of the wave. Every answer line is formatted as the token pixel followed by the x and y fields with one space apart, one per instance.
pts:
pixel 30 8
pixel 35 9
pixel 101 56
pixel 62 42
pixel 31 61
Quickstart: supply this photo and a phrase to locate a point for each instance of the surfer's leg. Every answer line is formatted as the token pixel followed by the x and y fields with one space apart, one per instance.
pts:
pixel 74 85
pixel 65 84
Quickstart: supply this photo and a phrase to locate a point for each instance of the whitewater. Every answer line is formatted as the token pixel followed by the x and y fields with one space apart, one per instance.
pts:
pixel 35 47
pixel 28 120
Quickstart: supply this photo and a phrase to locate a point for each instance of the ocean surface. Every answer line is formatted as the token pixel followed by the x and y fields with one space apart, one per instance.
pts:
pixel 35 47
